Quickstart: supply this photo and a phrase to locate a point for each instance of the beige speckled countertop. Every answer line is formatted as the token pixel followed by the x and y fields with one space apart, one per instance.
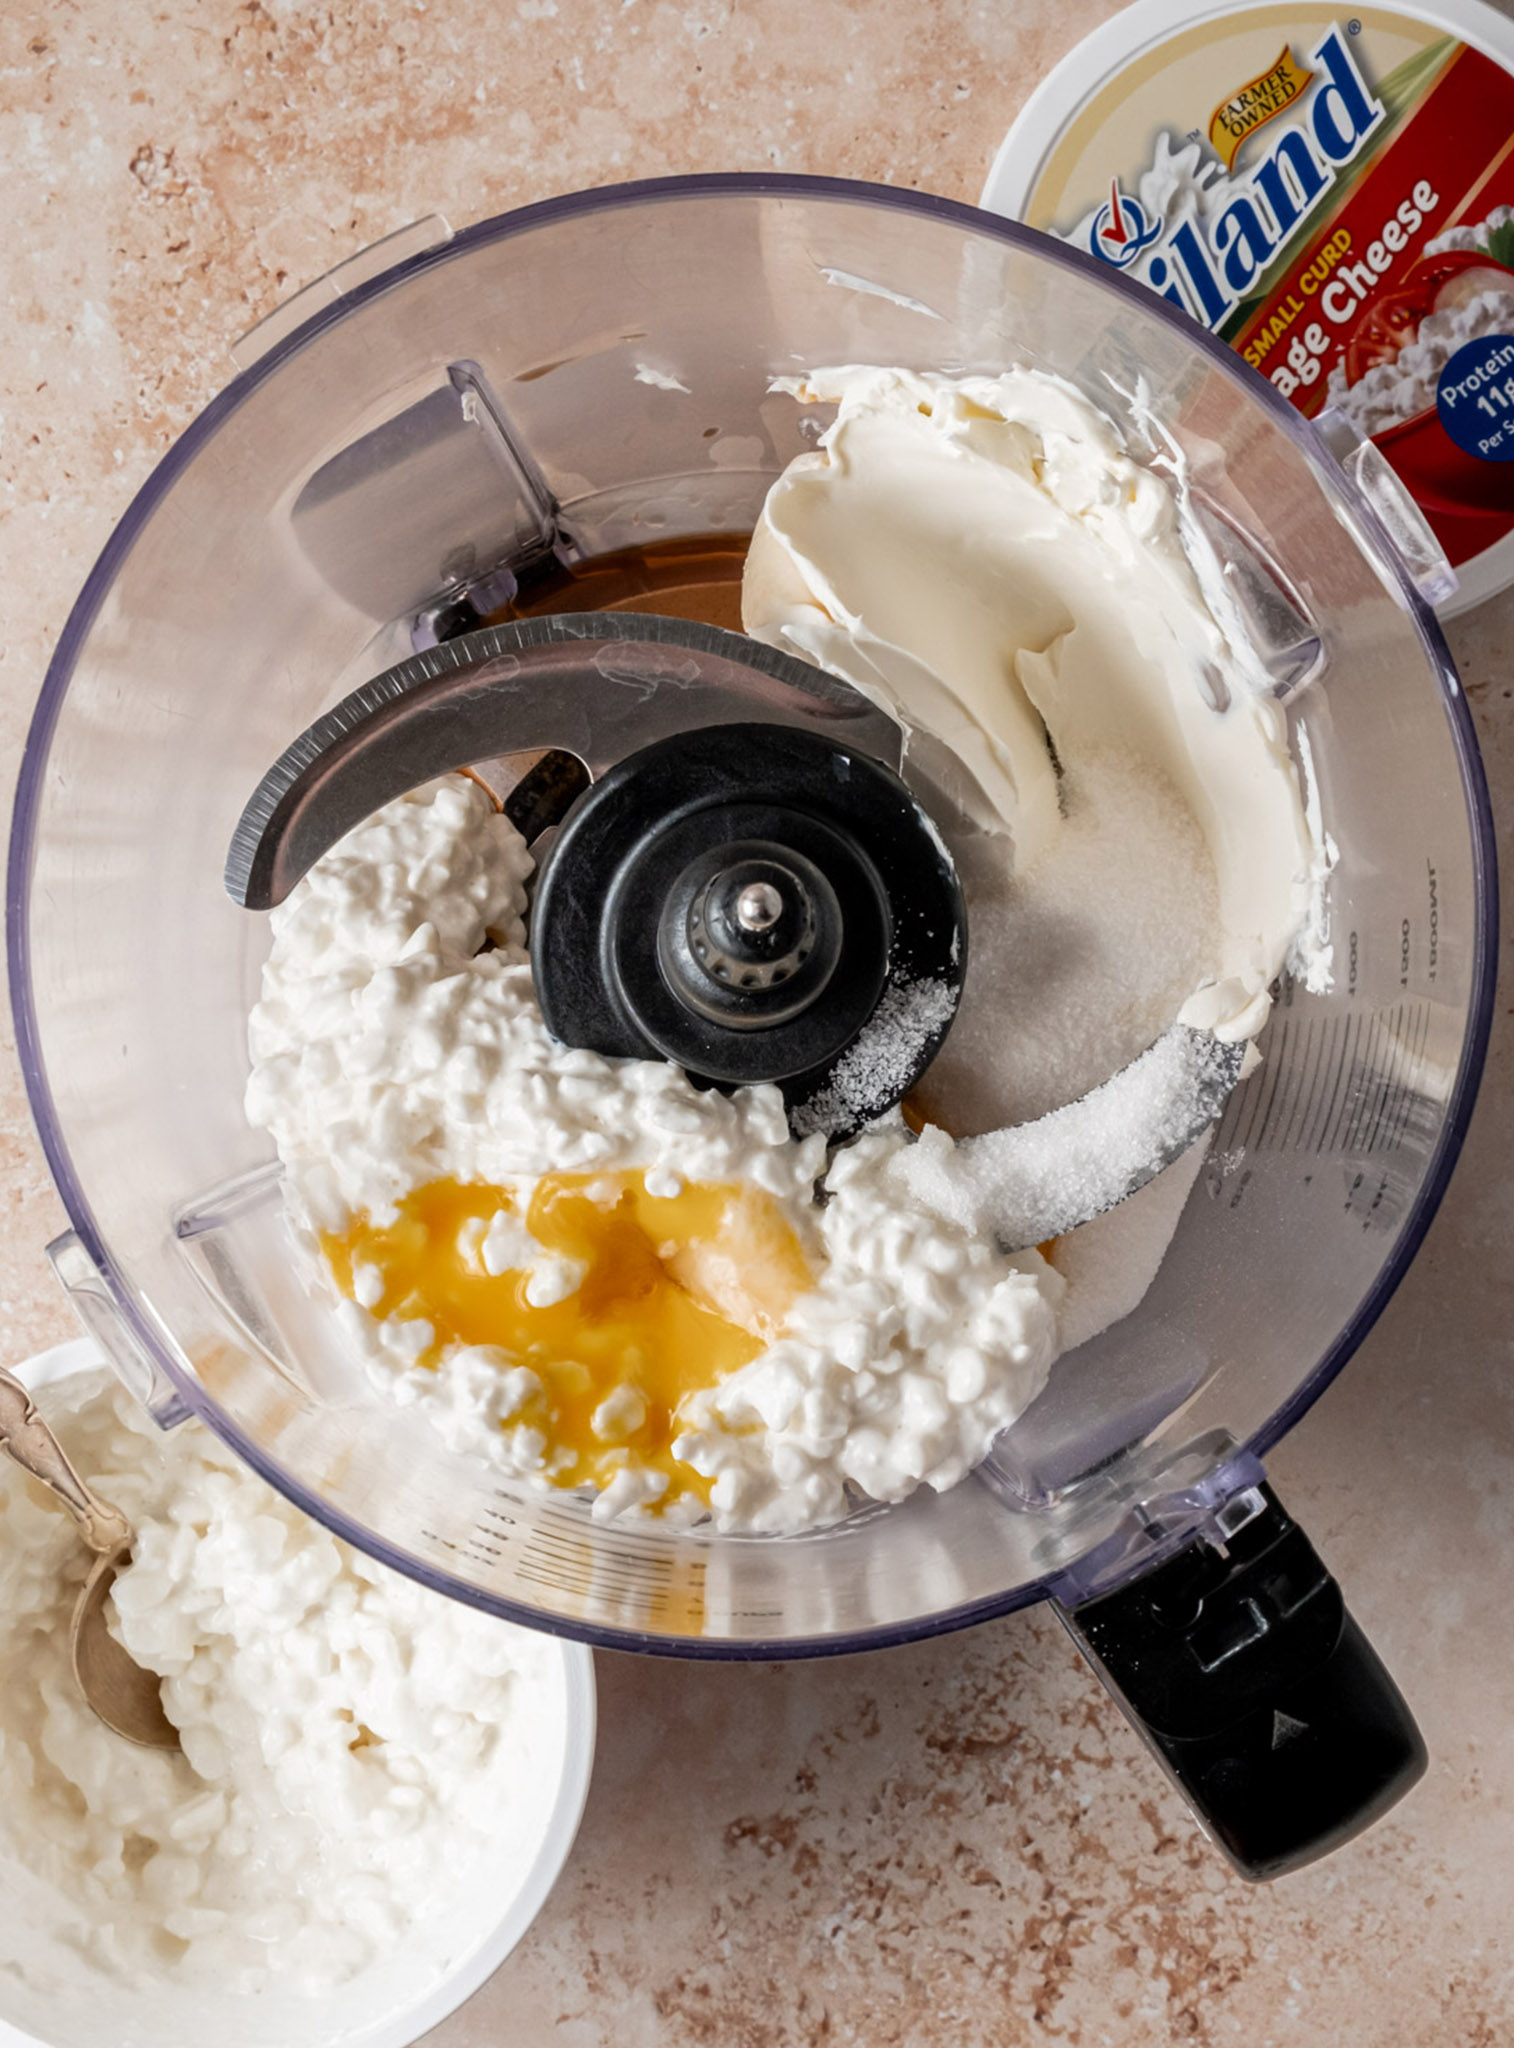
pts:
pixel 958 1843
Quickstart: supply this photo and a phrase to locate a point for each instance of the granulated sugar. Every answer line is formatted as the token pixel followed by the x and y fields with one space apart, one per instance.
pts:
pixel 874 1072
pixel 1109 1264
pixel 1080 965
pixel 1033 1182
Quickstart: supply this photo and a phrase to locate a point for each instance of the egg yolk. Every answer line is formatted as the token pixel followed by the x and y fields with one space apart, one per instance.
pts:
pixel 673 1293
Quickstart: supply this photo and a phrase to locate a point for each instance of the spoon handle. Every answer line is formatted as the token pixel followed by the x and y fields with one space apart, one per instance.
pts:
pixel 27 1438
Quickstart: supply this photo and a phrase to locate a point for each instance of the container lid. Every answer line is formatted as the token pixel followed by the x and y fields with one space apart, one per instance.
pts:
pixel 1332 193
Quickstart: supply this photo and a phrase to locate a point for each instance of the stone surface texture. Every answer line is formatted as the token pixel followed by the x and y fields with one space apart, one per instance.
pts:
pixel 959 1843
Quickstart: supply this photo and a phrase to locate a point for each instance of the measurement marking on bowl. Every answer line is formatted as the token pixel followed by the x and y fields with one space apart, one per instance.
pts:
pixel 1342 1085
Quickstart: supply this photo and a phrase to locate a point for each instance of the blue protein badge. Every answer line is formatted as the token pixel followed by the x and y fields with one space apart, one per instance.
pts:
pixel 1475 397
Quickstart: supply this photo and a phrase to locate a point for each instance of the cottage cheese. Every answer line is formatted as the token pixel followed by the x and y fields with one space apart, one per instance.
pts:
pixel 353 1744
pixel 389 1052
pixel 1391 393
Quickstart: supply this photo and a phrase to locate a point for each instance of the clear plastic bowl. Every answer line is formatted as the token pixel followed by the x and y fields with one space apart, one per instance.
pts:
pixel 599 367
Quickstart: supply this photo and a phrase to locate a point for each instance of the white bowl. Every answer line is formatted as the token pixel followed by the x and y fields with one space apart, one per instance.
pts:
pixel 428 1974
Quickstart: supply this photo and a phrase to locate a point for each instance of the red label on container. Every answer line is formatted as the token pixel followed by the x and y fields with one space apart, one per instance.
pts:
pixel 1350 242
pixel 1360 294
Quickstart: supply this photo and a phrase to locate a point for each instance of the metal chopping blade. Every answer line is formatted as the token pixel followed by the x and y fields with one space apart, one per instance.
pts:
pixel 545 710
pixel 593 685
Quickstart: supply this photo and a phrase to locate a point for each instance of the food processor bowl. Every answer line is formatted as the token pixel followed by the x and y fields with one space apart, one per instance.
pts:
pixel 596 372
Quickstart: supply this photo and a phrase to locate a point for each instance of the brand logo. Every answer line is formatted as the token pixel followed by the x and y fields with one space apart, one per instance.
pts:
pixel 1120 229
pixel 1235 120
pixel 1211 243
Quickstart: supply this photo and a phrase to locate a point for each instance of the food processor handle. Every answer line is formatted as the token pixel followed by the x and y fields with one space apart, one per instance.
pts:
pixel 1239 1663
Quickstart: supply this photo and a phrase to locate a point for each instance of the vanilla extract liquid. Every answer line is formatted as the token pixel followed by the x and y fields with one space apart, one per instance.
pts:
pixel 697 579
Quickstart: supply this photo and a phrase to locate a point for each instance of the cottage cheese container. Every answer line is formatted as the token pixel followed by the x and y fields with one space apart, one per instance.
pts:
pixel 265 1889
pixel 1330 191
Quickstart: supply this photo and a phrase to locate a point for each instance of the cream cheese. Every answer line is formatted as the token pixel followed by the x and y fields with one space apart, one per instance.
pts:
pixel 985 559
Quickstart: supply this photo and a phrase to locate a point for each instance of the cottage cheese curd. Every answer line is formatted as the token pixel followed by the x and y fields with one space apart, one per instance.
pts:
pixel 1393 392
pixel 391 1054
pixel 353 1745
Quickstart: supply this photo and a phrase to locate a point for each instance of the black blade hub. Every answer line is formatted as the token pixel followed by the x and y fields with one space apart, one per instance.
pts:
pixel 742 900
pixel 750 932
